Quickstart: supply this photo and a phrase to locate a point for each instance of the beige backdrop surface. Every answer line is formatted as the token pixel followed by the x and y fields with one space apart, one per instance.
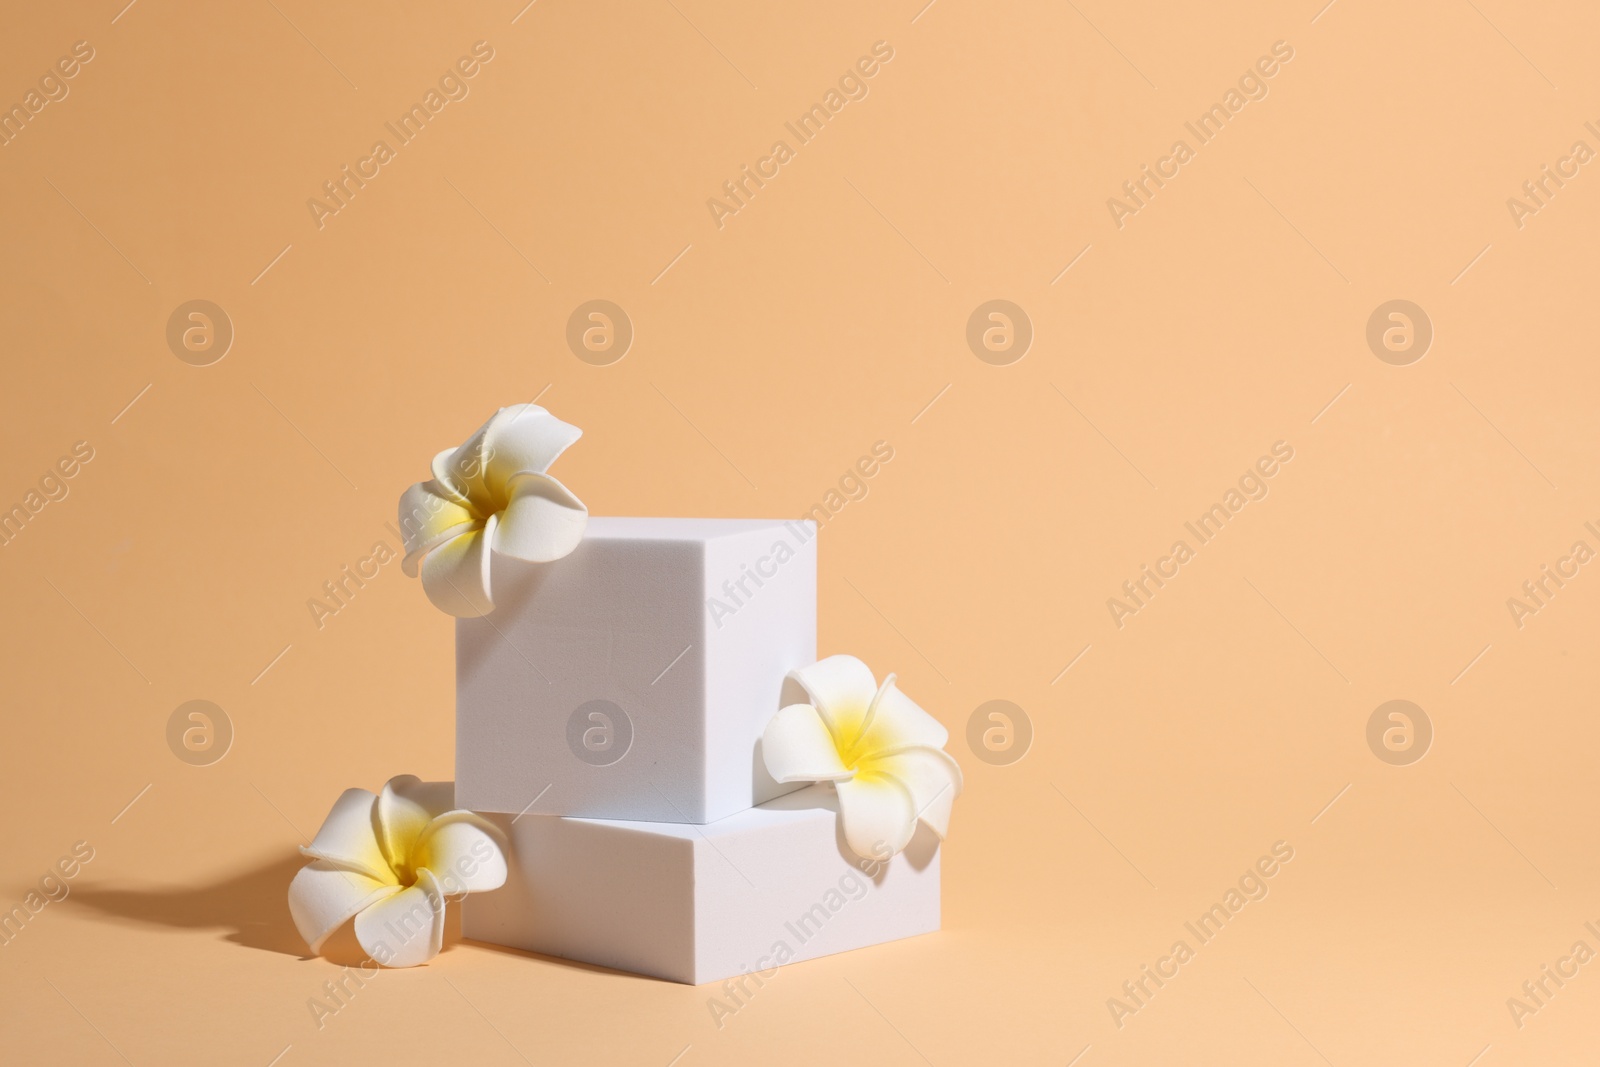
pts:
pixel 1175 340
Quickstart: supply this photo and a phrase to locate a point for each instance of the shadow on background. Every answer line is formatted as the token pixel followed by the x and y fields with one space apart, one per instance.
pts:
pixel 251 905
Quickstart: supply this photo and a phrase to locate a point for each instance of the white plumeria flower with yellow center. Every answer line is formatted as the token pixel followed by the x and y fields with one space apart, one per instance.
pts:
pixel 389 861
pixel 493 494
pixel 883 753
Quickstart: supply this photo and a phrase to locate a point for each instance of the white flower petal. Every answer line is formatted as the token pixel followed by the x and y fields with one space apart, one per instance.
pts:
pixel 896 722
pixel 456 574
pixel 841 689
pixel 407 928
pixel 542 521
pixel 460 470
pixel 435 798
pixel 931 777
pixel 797 747
pixel 429 517
pixel 404 809
pixel 522 439
pixel 465 852
pixel 323 896
pixel 877 814
pixel 348 837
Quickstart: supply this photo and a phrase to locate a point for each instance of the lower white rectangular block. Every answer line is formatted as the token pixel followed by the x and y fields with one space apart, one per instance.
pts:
pixel 699 903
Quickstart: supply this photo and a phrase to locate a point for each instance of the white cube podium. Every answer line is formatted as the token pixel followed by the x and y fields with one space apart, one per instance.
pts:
pixel 633 678
pixel 771 885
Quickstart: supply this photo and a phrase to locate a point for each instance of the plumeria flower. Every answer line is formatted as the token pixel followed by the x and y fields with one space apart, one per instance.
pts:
pixel 390 861
pixel 884 754
pixel 491 495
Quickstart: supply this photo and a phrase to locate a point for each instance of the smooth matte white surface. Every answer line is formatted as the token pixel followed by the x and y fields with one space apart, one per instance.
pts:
pixel 700 904
pixel 688 626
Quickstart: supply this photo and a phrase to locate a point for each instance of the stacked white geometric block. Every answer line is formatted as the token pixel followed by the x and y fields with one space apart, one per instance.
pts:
pixel 633 678
pixel 768 886
pixel 609 713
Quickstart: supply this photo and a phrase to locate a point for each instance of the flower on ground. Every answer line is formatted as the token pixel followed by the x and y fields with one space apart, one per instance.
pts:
pixel 389 860
pixel 491 495
pixel 883 753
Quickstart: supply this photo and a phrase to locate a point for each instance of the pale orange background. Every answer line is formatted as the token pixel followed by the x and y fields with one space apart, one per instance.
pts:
pixel 824 317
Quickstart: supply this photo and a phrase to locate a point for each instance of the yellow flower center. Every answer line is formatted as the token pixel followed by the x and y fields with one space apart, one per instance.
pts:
pixel 847 724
